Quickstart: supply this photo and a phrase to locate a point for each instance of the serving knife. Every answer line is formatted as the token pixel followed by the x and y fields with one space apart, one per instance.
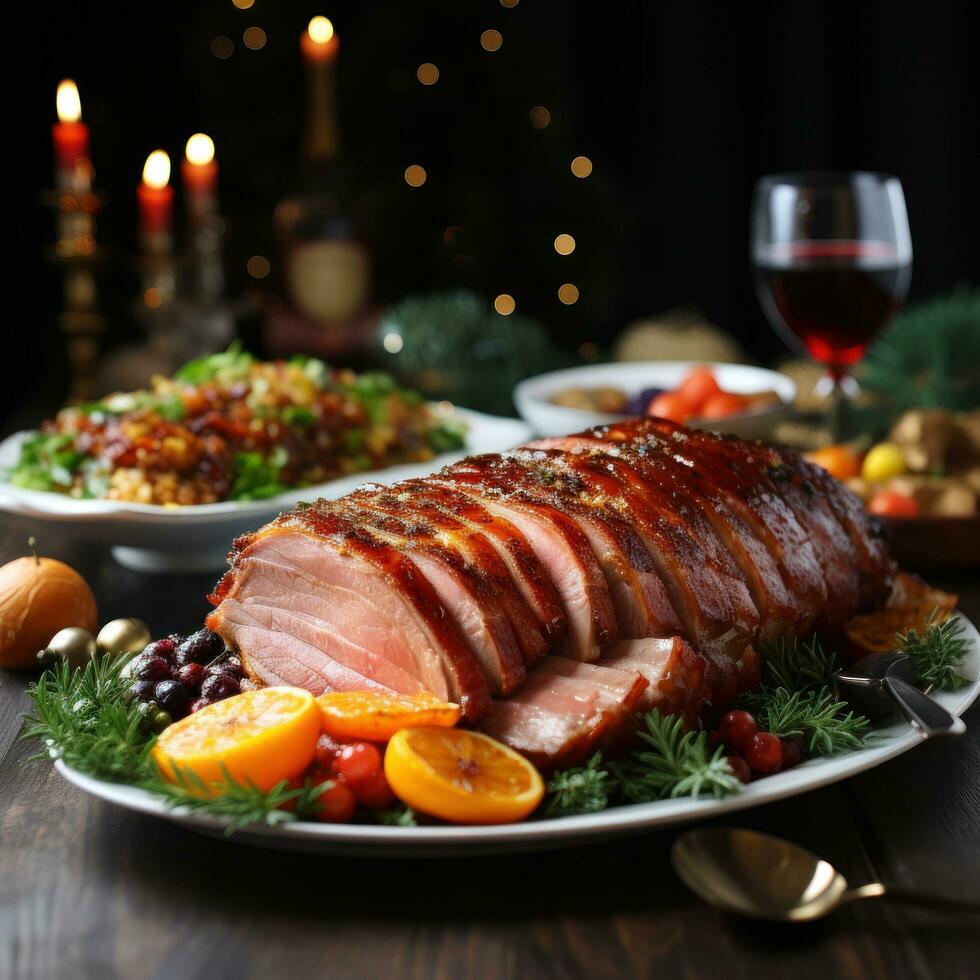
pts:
pixel 882 682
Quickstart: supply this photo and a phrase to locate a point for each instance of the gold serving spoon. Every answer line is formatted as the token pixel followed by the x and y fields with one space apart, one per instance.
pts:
pixel 766 877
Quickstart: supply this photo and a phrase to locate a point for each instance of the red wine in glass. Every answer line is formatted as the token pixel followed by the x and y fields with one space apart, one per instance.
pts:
pixel 833 296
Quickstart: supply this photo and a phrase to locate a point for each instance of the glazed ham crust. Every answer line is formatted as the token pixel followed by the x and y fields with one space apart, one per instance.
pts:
pixel 557 590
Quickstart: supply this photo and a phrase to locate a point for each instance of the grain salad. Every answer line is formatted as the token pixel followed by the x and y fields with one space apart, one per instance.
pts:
pixel 231 427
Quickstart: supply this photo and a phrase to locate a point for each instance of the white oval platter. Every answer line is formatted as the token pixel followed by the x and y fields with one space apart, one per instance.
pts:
pixel 151 538
pixel 364 839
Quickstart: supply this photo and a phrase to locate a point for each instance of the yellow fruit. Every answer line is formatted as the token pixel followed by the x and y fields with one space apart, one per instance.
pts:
pixel 461 776
pixel 38 598
pixel 259 737
pixel 376 715
pixel 883 462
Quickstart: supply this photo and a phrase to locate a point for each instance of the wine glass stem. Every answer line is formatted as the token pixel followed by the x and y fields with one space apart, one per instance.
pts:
pixel 838 387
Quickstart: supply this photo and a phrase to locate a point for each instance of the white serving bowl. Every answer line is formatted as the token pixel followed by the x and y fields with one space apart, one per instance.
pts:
pixel 533 395
pixel 151 538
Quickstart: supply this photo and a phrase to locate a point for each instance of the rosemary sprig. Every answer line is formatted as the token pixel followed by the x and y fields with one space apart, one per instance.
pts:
pixel 937 653
pixel 582 789
pixel 816 718
pixel 800 666
pixel 678 763
pixel 82 718
pixel 399 815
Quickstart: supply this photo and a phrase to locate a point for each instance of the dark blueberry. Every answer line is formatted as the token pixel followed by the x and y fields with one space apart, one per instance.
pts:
pixel 191 676
pixel 172 696
pixel 141 691
pixel 148 667
pixel 227 668
pixel 218 687
pixel 637 405
pixel 161 648
pixel 200 648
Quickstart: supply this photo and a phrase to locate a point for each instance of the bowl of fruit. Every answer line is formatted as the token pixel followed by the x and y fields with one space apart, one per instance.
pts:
pixel 923 482
pixel 735 398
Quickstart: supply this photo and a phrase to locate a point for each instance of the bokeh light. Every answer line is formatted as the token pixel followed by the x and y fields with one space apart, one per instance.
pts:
pixel 504 304
pixel 427 74
pixel 581 166
pixel 258 267
pixel 564 244
pixel 568 293
pixel 393 342
pixel 415 176
pixel 540 117
pixel 254 38
pixel 509 3
pixel 243 4
pixel 156 170
pixel 491 40
pixel 67 102
pixel 152 298
pixel 222 47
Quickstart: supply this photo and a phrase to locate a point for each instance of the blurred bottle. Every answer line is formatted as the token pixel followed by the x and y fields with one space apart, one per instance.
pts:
pixel 326 262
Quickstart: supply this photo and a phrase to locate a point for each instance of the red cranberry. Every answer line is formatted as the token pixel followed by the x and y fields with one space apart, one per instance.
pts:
pixel 336 804
pixel 218 687
pixel 736 728
pixel 227 668
pixel 792 753
pixel 375 791
pixel 141 691
pixel 741 769
pixel 161 648
pixel 764 752
pixel 196 705
pixel 191 676
pixel 200 648
pixel 147 667
pixel 357 762
pixel 172 697
pixel 327 748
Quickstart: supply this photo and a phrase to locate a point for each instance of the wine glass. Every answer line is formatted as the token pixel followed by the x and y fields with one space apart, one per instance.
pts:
pixel 833 258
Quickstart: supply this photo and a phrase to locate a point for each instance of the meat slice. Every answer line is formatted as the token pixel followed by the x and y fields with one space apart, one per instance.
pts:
pixel 424 522
pixel 744 482
pixel 465 595
pixel 566 711
pixel 526 571
pixel 639 597
pixel 560 546
pixel 366 612
pixel 745 539
pixel 707 592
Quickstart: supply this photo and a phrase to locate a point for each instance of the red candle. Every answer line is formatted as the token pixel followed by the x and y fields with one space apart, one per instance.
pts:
pixel 70 136
pixel 319 43
pixel 156 203
pixel 200 174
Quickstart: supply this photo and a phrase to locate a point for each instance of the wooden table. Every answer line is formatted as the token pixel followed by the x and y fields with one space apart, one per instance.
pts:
pixel 88 890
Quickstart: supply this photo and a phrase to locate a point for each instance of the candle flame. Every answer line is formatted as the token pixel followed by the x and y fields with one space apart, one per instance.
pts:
pixel 67 101
pixel 320 30
pixel 199 150
pixel 156 170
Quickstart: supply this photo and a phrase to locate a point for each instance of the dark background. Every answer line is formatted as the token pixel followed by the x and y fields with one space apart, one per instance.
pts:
pixel 680 106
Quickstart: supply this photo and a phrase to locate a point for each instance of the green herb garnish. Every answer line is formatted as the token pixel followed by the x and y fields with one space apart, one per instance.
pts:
pixel 47 462
pixel 822 723
pixel 582 789
pixel 937 653
pixel 447 436
pixel 233 364
pixel 259 477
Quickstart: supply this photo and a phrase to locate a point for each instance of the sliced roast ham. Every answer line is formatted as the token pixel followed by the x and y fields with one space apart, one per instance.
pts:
pixel 653 558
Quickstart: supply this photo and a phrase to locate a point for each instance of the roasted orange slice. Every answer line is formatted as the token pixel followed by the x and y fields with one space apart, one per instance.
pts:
pixel 878 632
pixel 258 737
pixel 376 715
pixel 461 776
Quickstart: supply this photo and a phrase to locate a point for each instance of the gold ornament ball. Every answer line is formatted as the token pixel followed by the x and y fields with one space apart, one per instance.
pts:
pixel 127 635
pixel 75 646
